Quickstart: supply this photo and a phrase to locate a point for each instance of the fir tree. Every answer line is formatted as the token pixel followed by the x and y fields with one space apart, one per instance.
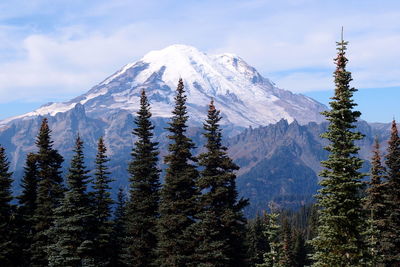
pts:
pixel 339 241
pixel 27 207
pixel 271 257
pixel 71 236
pixel 142 209
pixel 178 195
pixel 375 204
pixel 257 243
pixel 220 230
pixel 49 193
pixel 286 254
pixel 102 202
pixel 119 230
pixel 299 250
pixel 6 211
pixel 391 231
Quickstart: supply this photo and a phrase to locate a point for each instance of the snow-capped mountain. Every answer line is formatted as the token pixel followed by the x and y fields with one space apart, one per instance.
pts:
pixel 243 95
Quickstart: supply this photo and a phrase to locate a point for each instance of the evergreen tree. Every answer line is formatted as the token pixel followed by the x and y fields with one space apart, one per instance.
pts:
pixel 178 195
pixel 142 209
pixel 299 250
pixel 391 232
pixel 220 230
pixel 272 257
pixel 119 230
pixel 286 257
pixel 339 241
pixel 102 202
pixel 49 193
pixel 72 242
pixel 375 204
pixel 27 207
pixel 257 243
pixel 6 212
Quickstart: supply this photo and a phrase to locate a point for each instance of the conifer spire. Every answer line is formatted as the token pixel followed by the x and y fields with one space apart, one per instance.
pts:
pixel 142 208
pixel 6 210
pixel 391 232
pixel 72 243
pixel 341 212
pixel 220 227
pixel 179 193
pixel 102 202
pixel 49 193
pixel 375 204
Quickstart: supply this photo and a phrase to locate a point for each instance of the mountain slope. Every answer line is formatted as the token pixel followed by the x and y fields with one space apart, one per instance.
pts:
pixel 243 95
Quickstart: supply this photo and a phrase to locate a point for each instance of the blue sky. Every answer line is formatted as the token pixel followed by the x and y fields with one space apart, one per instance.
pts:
pixel 56 50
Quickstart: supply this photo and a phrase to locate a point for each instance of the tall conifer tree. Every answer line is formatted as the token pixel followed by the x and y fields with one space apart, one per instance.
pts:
pixel 72 242
pixel 375 204
pixel 27 207
pixel 102 202
pixel 6 211
pixel 142 208
pixel 339 241
pixel 49 193
pixel 179 193
pixel 220 230
pixel 391 231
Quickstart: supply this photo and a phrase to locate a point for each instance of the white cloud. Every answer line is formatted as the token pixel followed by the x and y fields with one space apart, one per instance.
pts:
pixel 76 45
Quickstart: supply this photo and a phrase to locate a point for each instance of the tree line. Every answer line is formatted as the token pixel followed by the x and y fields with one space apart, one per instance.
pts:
pixel 195 218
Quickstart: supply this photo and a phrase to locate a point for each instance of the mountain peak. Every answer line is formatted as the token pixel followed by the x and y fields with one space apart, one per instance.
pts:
pixel 244 97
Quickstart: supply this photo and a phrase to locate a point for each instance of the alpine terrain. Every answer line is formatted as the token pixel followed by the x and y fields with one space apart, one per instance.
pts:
pixel 245 98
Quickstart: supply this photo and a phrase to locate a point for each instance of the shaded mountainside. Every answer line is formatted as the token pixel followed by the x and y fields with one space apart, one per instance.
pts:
pixel 279 162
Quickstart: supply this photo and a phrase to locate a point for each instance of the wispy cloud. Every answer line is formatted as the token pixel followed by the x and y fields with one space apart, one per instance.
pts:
pixel 69 46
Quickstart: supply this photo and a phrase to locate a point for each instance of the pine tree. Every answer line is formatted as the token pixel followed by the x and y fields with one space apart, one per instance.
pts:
pixel 49 193
pixel 339 241
pixel 178 195
pixel 72 242
pixel 101 203
pixel 375 205
pixel 391 231
pixel 119 230
pixel 220 230
pixel 6 212
pixel 142 209
pixel 27 207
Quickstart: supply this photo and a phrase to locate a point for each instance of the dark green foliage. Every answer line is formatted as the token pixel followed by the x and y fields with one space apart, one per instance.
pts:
pixel 119 230
pixel 339 241
pixel 178 196
pixel 391 232
pixel 6 211
pixel 142 208
pixel 101 204
pixel 299 249
pixel 72 244
pixel 49 193
pixel 286 254
pixel 27 207
pixel 375 205
pixel 220 229
pixel 257 243
pixel 272 256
